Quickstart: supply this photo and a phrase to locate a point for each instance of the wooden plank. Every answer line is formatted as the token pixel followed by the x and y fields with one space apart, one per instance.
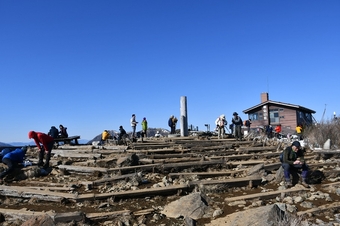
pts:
pixel 207 174
pixel 24 192
pixel 135 193
pixel 264 195
pixel 68 216
pixel 230 182
pixel 107 215
pixel 82 169
pixel 326 207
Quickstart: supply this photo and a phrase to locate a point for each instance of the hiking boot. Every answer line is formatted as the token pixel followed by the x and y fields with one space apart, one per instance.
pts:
pixel 305 184
pixel 40 163
pixel 46 165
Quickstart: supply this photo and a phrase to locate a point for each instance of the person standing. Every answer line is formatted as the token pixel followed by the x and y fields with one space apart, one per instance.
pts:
pixel 277 130
pixel 247 124
pixel 221 122
pixel 172 124
pixel 293 157
pixel 299 131
pixel 12 160
pixel 133 123
pixel 237 121
pixel 47 145
pixel 144 128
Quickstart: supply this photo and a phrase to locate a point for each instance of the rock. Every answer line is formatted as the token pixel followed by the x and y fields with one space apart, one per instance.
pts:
pixel 194 206
pixel 41 220
pixel 217 213
pixel 131 160
pixel 255 169
pixel 265 216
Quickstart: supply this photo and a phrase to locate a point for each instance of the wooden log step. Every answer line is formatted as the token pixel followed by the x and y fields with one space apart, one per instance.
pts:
pixel 21 214
pixel 326 207
pixel 170 160
pixel 105 180
pixel 143 212
pixel 106 215
pixel 207 174
pixel 166 156
pixel 265 195
pixel 24 192
pixel 69 154
pixel 246 156
pixel 165 150
pixel 135 193
pixel 230 182
pixel 246 150
pixel 82 169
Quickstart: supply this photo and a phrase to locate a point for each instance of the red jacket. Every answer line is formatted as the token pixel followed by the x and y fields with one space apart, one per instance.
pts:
pixel 278 129
pixel 42 138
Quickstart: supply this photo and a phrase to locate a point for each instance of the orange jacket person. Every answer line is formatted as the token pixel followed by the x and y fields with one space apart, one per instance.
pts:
pixel 47 145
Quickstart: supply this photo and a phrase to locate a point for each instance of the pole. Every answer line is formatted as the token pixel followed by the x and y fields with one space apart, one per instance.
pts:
pixel 184 116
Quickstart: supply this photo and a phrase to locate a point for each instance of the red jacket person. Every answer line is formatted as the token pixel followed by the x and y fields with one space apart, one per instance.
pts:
pixel 47 145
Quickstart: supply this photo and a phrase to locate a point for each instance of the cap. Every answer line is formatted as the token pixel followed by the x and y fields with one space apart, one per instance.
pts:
pixel 235 113
pixel 296 144
pixel 222 116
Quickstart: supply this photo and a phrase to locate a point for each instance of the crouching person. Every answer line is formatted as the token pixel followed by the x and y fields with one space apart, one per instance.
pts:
pixel 293 158
pixel 12 159
pixel 47 145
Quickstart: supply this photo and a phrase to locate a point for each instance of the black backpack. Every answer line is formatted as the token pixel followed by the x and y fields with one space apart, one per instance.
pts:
pixel 281 157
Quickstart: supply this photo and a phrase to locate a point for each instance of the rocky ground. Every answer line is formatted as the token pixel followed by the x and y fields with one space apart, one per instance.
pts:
pixel 195 180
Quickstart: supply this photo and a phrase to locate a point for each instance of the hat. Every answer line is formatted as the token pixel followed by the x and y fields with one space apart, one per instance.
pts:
pixel 171 116
pixel 222 116
pixel 296 144
pixel 144 118
pixel 235 113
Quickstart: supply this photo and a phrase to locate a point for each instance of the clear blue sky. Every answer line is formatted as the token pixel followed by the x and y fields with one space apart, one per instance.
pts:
pixel 90 65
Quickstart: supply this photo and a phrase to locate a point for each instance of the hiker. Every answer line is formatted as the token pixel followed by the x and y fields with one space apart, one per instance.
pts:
pixel 144 128
pixel 299 130
pixel 293 158
pixel 105 136
pixel 53 132
pixel 277 130
pixel 63 133
pixel 247 123
pixel 12 160
pixel 172 124
pixel 269 131
pixel 122 133
pixel 133 125
pixel 221 122
pixel 47 145
pixel 237 121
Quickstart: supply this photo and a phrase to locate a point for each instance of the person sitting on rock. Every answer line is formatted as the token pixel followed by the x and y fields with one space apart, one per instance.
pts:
pixel 293 158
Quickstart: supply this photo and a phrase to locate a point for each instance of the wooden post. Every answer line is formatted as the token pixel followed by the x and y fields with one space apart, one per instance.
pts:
pixel 184 117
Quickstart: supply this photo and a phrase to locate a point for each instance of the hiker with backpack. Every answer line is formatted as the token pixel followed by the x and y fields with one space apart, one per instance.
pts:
pixel 293 158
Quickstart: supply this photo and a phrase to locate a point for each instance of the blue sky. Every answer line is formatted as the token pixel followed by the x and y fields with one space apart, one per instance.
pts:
pixel 90 65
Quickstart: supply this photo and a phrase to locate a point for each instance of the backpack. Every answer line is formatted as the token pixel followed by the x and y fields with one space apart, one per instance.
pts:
pixel 281 157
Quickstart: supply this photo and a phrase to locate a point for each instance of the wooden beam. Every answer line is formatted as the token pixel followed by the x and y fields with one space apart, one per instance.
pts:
pixel 266 195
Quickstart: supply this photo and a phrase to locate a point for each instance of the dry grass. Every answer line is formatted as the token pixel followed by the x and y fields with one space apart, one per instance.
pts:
pixel 317 135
